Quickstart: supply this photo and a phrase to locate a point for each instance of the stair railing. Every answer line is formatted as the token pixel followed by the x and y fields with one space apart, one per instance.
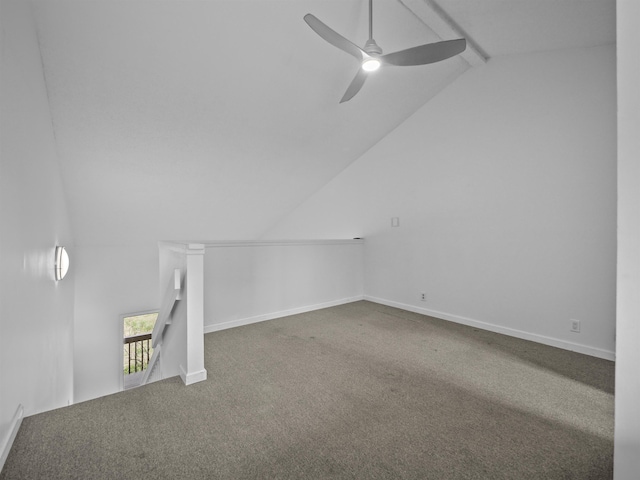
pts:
pixel 169 299
pixel 179 349
pixel 173 293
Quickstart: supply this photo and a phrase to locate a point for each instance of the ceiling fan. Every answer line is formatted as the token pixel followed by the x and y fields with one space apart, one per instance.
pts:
pixel 371 58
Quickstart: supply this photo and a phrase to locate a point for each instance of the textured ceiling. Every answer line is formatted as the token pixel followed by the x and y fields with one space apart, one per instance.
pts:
pixel 211 119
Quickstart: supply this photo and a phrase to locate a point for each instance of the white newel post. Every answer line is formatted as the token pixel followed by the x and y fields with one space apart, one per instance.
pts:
pixel 195 371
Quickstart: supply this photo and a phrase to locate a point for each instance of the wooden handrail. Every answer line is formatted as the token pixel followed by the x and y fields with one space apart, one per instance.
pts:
pixel 137 338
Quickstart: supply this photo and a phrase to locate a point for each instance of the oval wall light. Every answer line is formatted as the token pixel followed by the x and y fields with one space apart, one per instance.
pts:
pixel 62 263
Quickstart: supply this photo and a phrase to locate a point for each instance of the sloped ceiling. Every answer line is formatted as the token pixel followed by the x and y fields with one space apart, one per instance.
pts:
pixel 211 119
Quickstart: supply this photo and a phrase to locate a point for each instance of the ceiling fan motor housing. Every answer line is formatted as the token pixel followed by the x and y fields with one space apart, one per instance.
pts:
pixel 372 48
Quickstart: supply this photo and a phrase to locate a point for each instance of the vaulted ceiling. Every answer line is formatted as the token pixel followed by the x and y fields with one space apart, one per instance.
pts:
pixel 211 119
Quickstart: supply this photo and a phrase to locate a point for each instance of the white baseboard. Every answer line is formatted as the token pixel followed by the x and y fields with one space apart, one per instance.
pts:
pixel 512 332
pixel 193 377
pixel 283 313
pixel 7 442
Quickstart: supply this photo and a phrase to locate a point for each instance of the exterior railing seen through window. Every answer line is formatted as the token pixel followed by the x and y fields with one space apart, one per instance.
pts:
pixel 137 352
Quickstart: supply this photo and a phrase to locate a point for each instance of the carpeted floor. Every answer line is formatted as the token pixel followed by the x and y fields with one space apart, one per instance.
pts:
pixel 355 391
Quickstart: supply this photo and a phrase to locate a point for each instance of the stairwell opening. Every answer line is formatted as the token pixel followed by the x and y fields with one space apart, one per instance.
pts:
pixel 137 346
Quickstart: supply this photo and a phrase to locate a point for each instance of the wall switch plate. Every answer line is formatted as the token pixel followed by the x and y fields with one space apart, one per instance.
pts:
pixel 395 221
pixel 575 326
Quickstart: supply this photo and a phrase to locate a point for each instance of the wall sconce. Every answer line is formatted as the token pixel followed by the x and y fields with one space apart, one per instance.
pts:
pixel 62 263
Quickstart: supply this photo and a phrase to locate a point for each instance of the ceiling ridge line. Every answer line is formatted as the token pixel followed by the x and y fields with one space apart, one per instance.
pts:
pixel 443 25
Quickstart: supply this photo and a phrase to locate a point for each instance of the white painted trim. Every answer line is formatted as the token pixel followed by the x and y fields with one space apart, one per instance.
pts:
pixel 283 243
pixel 193 377
pixel 195 249
pixel 183 247
pixel 7 442
pixel 283 313
pixel 195 371
pixel 512 332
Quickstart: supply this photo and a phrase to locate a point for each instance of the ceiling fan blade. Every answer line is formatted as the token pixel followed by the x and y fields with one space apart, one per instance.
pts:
pixel 424 54
pixel 333 37
pixel 354 86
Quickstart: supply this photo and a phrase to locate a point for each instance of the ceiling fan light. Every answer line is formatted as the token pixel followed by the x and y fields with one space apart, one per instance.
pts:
pixel 371 64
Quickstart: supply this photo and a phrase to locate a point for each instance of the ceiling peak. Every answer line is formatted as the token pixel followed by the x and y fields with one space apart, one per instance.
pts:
pixel 443 26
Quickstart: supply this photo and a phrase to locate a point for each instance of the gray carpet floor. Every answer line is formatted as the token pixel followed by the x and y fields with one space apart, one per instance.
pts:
pixel 355 391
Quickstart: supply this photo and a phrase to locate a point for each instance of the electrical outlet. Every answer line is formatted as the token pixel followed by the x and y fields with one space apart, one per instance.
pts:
pixel 423 297
pixel 575 326
pixel 395 221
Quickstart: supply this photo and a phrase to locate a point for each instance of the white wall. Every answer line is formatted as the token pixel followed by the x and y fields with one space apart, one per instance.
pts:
pixel 245 283
pixel 627 436
pixel 110 282
pixel 36 312
pixel 505 188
